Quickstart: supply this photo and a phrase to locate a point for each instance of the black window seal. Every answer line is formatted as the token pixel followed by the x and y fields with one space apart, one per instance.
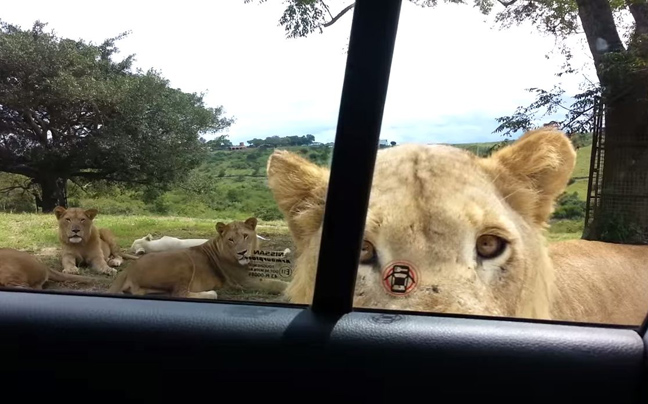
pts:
pixel 368 66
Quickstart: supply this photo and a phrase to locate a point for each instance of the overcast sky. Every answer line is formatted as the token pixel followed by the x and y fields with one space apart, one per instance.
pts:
pixel 453 72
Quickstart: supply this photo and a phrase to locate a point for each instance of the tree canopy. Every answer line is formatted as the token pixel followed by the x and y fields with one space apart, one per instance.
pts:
pixel 69 110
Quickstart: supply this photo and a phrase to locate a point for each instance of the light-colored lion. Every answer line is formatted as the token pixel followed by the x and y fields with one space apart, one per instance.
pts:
pixel 19 269
pixel 147 244
pixel 473 228
pixel 82 242
pixel 600 282
pixel 197 271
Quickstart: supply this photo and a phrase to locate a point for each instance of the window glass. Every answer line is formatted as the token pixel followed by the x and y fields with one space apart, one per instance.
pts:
pixel 134 146
pixel 510 180
pixel 511 176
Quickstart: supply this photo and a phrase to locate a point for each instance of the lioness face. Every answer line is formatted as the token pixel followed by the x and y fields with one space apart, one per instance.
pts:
pixel 239 238
pixel 467 231
pixel 75 223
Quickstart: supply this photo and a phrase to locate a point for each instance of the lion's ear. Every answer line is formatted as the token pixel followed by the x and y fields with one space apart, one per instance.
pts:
pixel 91 213
pixel 149 237
pixel 252 222
pixel 59 211
pixel 533 171
pixel 220 227
pixel 299 188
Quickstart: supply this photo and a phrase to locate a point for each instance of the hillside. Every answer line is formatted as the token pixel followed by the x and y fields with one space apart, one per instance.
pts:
pixel 228 184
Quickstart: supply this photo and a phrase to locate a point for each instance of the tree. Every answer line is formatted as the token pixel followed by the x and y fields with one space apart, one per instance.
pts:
pixel 392 143
pixel 621 68
pixel 220 143
pixel 68 111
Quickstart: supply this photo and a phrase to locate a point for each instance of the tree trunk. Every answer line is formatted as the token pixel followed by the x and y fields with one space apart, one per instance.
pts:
pixel 53 193
pixel 623 212
pixel 622 215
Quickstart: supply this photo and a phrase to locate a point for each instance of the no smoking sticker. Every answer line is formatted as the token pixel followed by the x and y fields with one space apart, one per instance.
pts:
pixel 400 278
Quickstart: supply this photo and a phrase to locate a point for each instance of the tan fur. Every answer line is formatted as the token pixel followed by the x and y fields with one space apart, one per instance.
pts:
pixel 600 282
pixel 197 271
pixel 428 205
pixel 96 247
pixel 19 269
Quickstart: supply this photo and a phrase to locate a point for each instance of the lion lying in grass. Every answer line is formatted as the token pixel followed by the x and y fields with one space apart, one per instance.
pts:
pixel 19 269
pixel 82 242
pixel 147 244
pixel 471 228
pixel 197 271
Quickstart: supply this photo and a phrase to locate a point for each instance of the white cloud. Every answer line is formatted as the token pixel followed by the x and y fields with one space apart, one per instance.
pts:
pixel 451 76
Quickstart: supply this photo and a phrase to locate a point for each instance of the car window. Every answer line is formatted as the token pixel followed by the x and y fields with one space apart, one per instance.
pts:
pixel 195 162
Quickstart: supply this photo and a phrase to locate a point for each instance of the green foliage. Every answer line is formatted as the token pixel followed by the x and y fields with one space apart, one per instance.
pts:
pixel 15 194
pixel 581 140
pixel 226 184
pixel 618 228
pixel 277 141
pixel 569 206
pixel 69 111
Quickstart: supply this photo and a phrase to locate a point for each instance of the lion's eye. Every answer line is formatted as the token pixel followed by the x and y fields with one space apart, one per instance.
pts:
pixel 82 220
pixel 231 240
pixel 68 219
pixel 245 237
pixel 368 253
pixel 490 246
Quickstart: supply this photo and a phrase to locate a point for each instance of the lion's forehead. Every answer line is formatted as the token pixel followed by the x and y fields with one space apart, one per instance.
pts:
pixel 74 214
pixel 416 168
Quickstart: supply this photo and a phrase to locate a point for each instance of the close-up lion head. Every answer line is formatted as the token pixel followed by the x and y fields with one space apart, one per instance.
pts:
pixel 75 224
pixel 238 238
pixel 469 228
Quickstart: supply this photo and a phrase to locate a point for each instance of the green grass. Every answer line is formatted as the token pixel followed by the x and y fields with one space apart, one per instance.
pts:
pixel 34 232
pixel 582 167
pixel 562 230
pixel 38 234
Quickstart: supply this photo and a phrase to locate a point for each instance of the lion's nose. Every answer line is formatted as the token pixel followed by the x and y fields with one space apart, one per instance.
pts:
pixel 75 230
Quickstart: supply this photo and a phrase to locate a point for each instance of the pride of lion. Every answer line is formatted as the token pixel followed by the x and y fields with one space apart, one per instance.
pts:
pixel 471 229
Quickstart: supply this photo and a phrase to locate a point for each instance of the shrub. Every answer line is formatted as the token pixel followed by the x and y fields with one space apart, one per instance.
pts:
pixel 569 206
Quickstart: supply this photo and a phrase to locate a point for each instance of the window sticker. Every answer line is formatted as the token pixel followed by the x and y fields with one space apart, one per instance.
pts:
pixel 400 278
pixel 270 264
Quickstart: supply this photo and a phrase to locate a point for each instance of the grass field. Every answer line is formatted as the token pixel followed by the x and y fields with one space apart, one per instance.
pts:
pixel 37 234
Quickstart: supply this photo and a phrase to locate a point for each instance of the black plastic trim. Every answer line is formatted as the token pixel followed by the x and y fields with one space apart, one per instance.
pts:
pixel 156 349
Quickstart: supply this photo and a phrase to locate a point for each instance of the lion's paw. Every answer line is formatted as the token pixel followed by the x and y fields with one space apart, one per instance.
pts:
pixel 115 262
pixel 108 270
pixel 71 270
pixel 210 294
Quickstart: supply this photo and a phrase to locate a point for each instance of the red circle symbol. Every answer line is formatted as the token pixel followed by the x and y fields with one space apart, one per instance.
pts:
pixel 399 278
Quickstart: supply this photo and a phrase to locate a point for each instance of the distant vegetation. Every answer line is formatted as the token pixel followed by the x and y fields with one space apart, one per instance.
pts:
pixel 232 184
pixel 228 184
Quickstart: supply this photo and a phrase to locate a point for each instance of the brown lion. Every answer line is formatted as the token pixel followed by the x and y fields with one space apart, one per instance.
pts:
pixel 19 269
pixel 471 229
pixel 82 242
pixel 197 271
